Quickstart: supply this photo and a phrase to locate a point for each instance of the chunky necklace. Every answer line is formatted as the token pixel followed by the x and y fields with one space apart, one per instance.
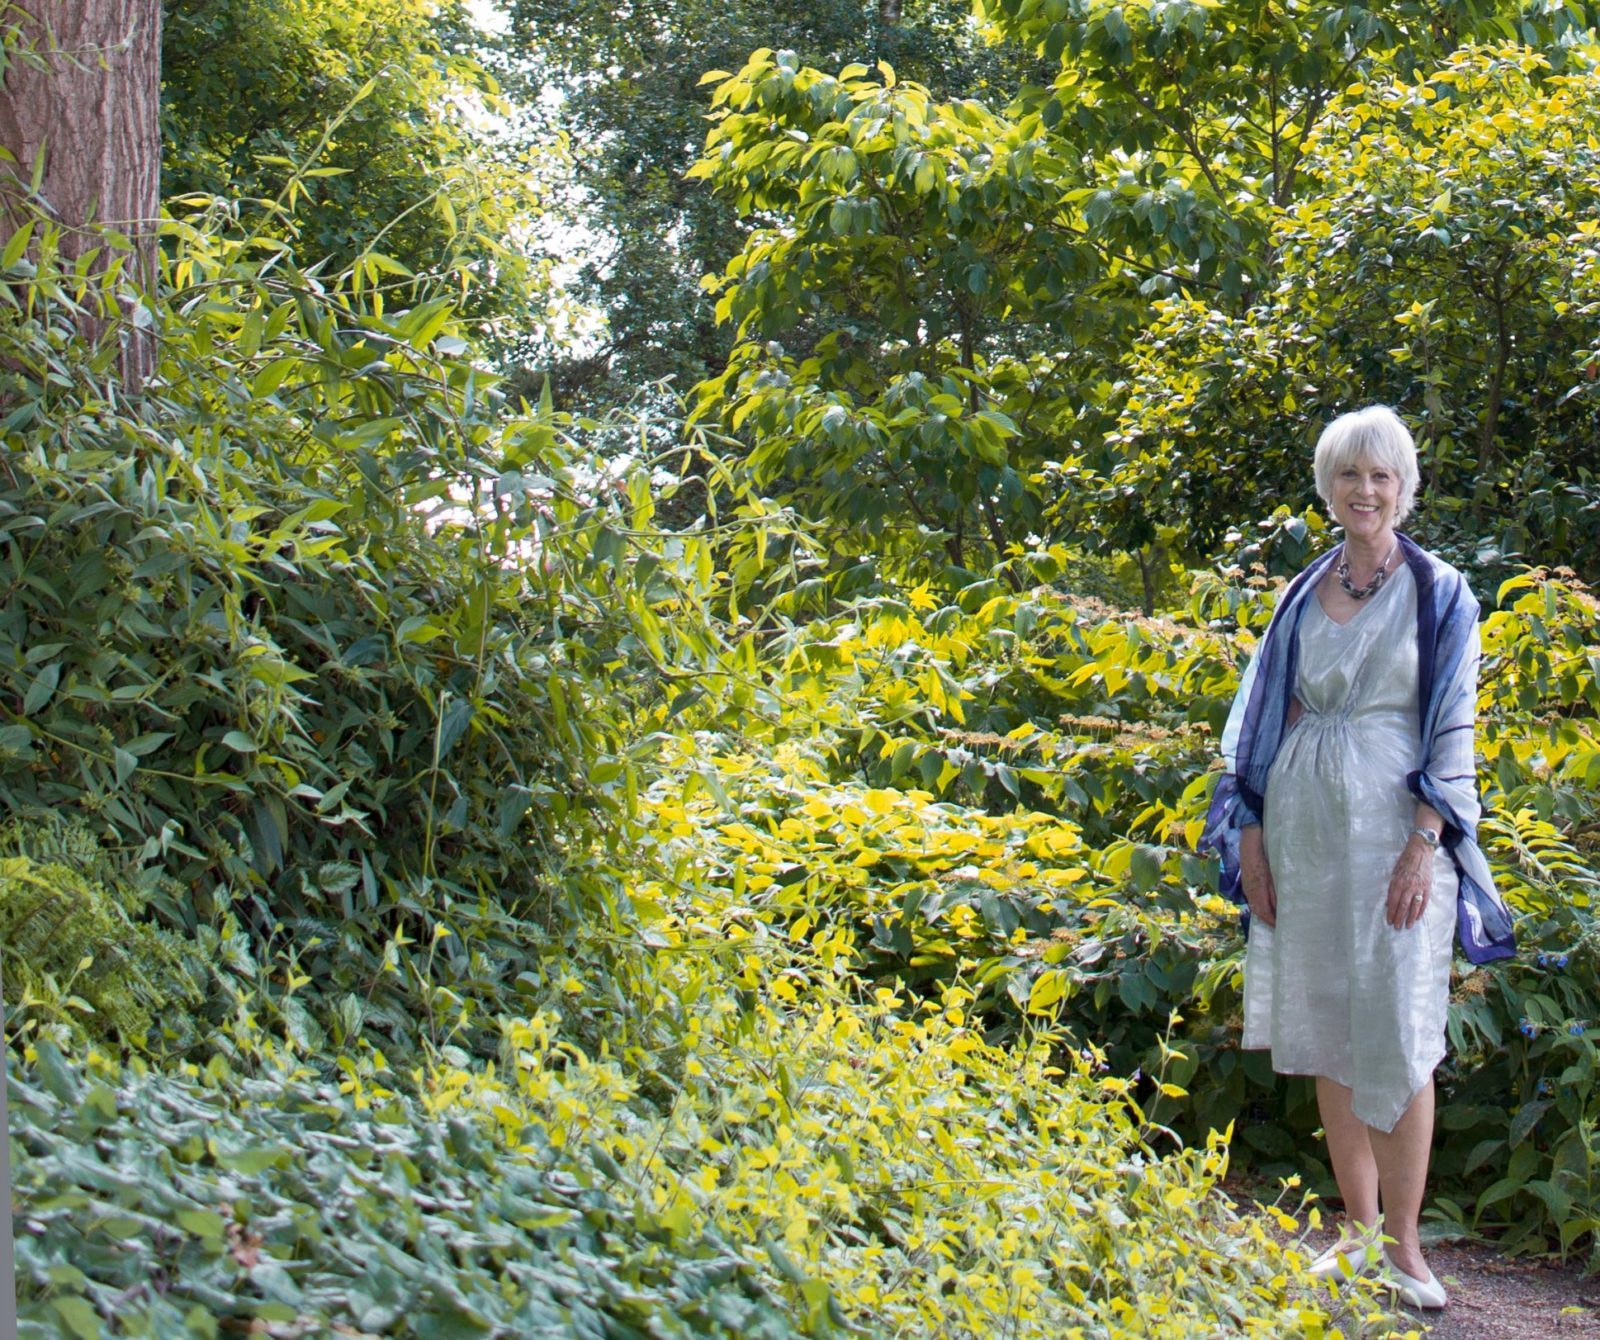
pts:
pixel 1362 592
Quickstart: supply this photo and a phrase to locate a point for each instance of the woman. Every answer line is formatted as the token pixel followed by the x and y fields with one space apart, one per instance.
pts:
pixel 1346 819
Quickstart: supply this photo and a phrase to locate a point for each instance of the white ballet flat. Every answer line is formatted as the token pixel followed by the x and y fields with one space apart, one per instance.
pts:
pixel 1343 1263
pixel 1428 1294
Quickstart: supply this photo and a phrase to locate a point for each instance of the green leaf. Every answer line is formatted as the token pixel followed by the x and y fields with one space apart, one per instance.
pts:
pixel 251 1162
pixel 515 801
pixel 452 724
pixel 1524 1120
pixel 202 1223
pixel 16 245
pixel 79 1318
pixel 1557 1201
pixel 277 1311
pixel 40 690
pixel 1145 866
pixel 338 877
pixel 272 376
pixel 419 628
pixel 1497 1192
pixel 1273 1141
pixel 16 740
pixel 58 1077
pixel 788 1267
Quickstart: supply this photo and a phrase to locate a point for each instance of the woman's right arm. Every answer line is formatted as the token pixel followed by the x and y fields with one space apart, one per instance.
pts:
pixel 1255 876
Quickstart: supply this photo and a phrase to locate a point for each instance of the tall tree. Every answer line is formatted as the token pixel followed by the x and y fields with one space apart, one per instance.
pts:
pixel 80 116
pixel 379 112
pixel 885 367
pixel 940 304
pixel 635 103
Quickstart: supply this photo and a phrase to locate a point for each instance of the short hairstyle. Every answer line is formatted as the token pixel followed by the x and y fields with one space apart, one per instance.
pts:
pixel 1376 434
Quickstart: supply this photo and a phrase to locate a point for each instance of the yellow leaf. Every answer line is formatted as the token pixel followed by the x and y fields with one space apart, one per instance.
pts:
pixel 1048 988
pixel 880 802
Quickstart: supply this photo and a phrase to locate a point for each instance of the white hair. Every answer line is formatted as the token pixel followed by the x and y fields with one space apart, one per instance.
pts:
pixel 1376 434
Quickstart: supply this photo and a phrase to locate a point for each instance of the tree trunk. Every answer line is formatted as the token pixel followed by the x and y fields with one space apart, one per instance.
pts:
pixel 997 537
pixel 1147 579
pixel 84 95
pixel 1489 425
pixel 8 1260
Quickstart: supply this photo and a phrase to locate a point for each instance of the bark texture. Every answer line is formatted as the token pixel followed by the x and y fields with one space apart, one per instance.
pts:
pixel 85 93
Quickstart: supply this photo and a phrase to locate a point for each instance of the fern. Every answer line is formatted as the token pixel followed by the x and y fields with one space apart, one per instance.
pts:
pixel 78 962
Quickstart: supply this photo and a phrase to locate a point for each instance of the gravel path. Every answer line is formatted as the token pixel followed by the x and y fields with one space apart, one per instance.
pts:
pixel 1493 1297
pixel 1496 1298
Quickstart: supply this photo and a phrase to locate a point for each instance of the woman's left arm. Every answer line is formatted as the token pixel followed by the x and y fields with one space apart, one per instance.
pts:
pixel 1450 771
pixel 1411 885
pixel 1449 800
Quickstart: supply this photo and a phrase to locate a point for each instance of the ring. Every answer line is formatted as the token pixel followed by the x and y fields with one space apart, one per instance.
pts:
pixel 1417 899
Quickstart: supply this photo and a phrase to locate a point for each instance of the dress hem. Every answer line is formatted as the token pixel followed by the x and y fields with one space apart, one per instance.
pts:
pixel 1405 1107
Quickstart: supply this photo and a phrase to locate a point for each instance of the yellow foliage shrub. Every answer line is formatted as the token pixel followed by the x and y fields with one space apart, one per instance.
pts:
pixel 894 1169
pixel 901 1174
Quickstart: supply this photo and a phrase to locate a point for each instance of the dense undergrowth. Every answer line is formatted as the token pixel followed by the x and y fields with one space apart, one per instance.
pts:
pixel 1064 755
pixel 439 901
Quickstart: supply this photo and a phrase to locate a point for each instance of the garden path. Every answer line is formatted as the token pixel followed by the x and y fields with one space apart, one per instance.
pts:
pixel 1492 1296
pixel 1496 1297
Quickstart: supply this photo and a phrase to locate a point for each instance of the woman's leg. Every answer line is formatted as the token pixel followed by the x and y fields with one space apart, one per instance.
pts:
pixel 1402 1160
pixel 1354 1167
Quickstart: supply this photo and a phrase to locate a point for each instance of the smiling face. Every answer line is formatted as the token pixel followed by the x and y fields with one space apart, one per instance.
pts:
pixel 1366 500
pixel 1366 469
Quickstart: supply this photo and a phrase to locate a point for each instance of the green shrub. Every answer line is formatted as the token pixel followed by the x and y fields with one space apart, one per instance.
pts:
pixel 1088 735
pixel 337 642
pixel 79 959
pixel 829 1166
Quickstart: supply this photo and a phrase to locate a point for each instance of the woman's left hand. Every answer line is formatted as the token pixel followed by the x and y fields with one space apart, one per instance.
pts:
pixel 1410 886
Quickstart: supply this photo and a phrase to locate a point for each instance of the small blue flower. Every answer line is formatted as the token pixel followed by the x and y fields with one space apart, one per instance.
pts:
pixel 1560 960
pixel 1575 1029
pixel 1542 1088
pixel 1542 960
pixel 1528 1028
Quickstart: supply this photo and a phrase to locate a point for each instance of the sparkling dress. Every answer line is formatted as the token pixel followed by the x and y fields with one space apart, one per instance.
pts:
pixel 1334 990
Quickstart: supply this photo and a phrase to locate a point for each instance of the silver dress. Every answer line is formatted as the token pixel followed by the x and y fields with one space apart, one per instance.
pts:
pixel 1334 990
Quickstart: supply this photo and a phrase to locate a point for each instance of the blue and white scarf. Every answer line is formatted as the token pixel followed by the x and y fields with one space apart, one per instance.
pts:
pixel 1447 679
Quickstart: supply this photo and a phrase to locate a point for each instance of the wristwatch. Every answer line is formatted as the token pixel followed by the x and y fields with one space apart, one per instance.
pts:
pixel 1427 835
